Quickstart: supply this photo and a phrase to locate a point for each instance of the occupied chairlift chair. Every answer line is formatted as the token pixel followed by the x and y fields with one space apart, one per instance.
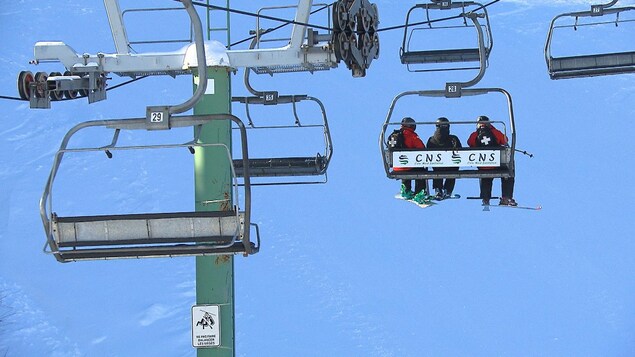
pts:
pixel 149 235
pixel 314 165
pixel 467 159
pixel 421 60
pixel 592 64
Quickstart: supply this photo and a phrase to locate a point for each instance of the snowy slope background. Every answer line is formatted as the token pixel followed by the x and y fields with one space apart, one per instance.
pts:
pixel 344 269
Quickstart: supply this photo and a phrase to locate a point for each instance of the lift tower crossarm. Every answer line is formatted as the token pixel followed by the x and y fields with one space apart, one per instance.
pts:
pixel 124 63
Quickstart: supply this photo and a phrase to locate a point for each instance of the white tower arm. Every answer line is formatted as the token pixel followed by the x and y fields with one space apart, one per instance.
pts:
pixel 353 40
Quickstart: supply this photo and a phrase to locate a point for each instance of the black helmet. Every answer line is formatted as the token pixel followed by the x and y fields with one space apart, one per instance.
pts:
pixel 408 122
pixel 443 121
pixel 483 118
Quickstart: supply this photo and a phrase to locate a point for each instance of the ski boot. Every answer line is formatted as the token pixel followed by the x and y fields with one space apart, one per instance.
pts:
pixel 407 194
pixel 507 202
pixel 421 197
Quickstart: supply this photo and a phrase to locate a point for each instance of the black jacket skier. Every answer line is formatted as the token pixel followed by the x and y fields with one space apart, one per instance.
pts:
pixel 442 139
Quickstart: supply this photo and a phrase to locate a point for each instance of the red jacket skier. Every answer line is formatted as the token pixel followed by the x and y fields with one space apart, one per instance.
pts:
pixel 486 135
pixel 411 140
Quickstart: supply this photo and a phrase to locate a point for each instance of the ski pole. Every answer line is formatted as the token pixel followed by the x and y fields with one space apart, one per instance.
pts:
pixel 524 152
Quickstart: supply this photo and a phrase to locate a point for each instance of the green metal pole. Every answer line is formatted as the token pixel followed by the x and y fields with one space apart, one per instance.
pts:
pixel 212 176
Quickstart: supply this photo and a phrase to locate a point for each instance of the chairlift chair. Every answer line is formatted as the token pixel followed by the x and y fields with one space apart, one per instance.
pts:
pixel 143 235
pixel 290 166
pixel 419 59
pixel 468 160
pixel 587 65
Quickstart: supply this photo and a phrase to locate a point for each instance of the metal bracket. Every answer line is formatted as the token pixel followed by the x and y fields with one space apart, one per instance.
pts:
pixel 158 117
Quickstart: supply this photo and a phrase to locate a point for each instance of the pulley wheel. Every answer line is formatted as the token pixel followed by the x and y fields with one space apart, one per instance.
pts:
pixel 70 94
pixel 363 20
pixel 40 80
pixel 24 79
pixel 344 46
pixel 342 15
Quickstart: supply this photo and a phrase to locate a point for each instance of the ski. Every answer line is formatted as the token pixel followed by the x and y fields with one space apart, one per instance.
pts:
pixel 532 208
pixel 422 205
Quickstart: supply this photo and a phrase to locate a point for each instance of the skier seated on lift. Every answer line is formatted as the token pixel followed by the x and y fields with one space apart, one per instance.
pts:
pixel 442 139
pixel 486 135
pixel 412 141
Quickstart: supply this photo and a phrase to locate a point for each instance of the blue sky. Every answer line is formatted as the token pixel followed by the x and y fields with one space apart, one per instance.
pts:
pixel 344 269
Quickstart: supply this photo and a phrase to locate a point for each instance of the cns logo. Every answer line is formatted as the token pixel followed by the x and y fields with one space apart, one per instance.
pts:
pixel 456 158
pixel 403 159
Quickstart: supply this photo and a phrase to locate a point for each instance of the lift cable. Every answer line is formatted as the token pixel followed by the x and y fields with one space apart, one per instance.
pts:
pixel 241 12
pixel 274 28
pixel 287 22
pixel 10 98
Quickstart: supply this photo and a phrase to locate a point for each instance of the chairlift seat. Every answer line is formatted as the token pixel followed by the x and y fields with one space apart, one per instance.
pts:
pixel 441 56
pixel 147 235
pixel 290 166
pixel 591 65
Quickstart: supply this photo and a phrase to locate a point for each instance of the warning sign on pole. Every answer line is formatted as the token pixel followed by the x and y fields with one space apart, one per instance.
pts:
pixel 205 326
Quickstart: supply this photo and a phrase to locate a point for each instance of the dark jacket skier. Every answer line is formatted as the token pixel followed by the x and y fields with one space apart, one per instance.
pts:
pixel 442 139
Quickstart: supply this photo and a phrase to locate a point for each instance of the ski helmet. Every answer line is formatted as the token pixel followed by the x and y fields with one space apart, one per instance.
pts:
pixel 443 121
pixel 408 122
pixel 482 121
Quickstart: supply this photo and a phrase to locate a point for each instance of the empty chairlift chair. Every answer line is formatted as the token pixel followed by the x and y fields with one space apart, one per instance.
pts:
pixel 598 62
pixel 288 166
pixel 313 164
pixel 423 35
pixel 141 235
pixel 498 160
